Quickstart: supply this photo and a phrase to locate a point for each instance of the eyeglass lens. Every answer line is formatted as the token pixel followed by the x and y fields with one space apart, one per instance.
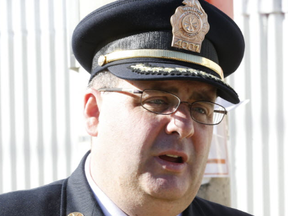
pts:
pixel 165 103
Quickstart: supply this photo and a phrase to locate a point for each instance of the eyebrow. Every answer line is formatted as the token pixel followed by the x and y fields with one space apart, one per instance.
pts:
pixel 209 93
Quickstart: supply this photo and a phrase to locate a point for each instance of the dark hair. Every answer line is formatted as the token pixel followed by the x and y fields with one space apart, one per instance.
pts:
pixel 104 79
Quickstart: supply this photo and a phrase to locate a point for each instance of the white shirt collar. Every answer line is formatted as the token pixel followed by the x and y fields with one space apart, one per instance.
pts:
pixel 108 207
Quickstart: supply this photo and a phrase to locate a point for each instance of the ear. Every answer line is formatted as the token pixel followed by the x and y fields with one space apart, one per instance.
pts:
pixel 92 111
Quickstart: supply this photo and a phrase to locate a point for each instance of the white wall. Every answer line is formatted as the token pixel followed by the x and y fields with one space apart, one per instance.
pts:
pixel 258 130
pixel 40 123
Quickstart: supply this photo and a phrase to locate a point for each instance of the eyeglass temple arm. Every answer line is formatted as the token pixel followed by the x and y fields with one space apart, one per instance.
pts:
pixel 221 111
pixel 119 90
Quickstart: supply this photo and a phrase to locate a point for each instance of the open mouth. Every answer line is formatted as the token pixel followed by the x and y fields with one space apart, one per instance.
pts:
pixel 172 158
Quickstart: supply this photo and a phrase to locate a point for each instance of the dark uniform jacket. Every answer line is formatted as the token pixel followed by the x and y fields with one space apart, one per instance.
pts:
pixel 74 195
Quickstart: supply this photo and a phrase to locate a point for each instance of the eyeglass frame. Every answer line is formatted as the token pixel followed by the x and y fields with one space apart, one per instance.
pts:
pixel 135 91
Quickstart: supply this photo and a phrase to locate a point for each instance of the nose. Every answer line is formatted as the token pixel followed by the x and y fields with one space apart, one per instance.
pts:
pixel 180 122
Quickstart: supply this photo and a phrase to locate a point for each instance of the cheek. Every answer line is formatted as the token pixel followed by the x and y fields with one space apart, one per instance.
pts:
pixel 128 130
pixel 202 140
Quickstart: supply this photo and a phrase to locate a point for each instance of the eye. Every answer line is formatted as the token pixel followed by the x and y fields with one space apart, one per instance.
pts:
pixel 156 101
pixel 156 104
pixel 200 110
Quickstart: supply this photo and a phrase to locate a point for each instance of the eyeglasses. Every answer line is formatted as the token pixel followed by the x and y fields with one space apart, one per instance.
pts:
pixel 165 103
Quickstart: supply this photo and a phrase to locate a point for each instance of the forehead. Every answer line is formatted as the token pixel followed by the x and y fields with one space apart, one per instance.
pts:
pixel 194 89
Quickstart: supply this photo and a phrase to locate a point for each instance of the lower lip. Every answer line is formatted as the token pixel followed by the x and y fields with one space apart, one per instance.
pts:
pixel 170 166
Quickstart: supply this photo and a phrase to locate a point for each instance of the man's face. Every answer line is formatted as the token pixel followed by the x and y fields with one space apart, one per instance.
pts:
pixel 138 154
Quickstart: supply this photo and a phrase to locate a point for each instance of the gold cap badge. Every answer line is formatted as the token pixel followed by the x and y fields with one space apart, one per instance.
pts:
pixel 189 26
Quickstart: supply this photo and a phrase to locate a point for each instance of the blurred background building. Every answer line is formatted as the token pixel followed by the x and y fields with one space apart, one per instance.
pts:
pixel 42 136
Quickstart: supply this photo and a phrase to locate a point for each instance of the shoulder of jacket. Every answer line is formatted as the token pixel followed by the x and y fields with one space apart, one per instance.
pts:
pixel 215 209
pixel 43 199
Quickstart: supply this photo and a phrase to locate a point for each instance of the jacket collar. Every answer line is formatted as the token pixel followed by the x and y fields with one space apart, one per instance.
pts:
pixel 79 197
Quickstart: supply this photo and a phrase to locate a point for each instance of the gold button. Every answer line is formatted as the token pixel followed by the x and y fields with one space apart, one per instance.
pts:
pixel 101 60
pixel 75 214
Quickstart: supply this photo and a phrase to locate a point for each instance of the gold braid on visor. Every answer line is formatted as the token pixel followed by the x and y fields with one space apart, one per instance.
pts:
pixel 164 54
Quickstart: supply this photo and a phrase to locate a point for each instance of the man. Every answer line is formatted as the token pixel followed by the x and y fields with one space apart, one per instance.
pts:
pixel 156 68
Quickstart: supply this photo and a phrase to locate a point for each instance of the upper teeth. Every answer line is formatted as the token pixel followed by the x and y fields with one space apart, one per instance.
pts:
pixel 174 156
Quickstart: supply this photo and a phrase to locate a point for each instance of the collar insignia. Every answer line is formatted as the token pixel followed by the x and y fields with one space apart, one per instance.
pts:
pixel 189 26
pixel 75 214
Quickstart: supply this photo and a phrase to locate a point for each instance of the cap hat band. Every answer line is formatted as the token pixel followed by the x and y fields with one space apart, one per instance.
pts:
pixel 164 54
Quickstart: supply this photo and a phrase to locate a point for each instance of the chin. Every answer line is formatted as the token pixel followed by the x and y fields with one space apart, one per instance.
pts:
pixel 170 189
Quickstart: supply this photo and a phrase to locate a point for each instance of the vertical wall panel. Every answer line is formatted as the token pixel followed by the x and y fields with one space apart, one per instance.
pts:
pixel 36 104
pixel 275 50
pixel 24 164
pixel 270 6
pixel 285 113
pixel 265 121
pixel 11 138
